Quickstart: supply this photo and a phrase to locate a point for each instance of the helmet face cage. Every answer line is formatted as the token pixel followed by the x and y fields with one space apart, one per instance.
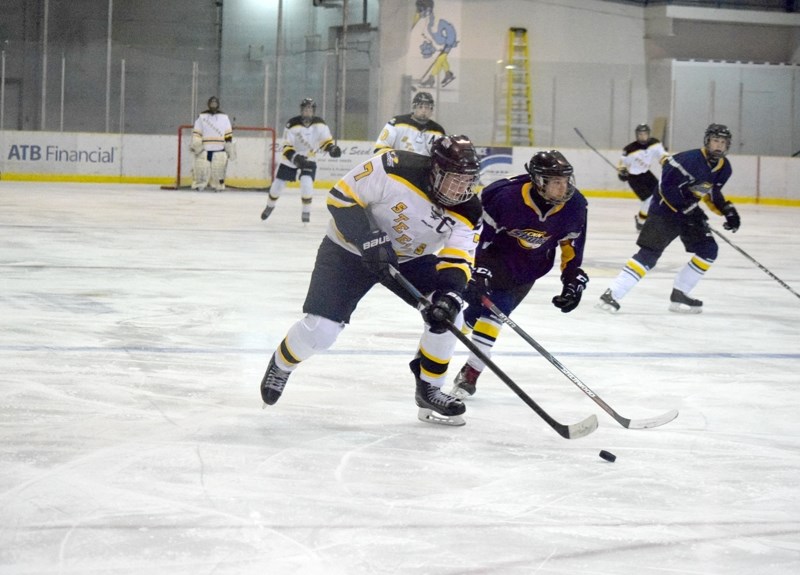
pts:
pixel 717 131
pixel 215 101
pixel 455 170
pixel 547 165
pixel 642 129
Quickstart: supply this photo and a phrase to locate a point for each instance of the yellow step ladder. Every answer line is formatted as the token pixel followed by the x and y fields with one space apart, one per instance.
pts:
pixel 514 116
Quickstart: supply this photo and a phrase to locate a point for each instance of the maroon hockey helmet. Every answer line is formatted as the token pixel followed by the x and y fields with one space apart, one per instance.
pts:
pixel 455 169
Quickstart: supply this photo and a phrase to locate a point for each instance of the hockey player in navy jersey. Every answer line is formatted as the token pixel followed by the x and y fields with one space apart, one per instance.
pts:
pixel 634 168
pixel 418 214
pixel 686 179
pixel 305 136
pixel 527 221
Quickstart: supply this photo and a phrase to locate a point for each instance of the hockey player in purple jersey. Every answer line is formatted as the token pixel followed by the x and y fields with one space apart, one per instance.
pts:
pixel 686 179
pixel 527 220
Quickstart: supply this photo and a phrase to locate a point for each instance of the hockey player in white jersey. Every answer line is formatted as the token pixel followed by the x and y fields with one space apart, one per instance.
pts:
pixel 418 214
pixel 414 132
pixel 304 137
pixel 634 168
pixel 212 146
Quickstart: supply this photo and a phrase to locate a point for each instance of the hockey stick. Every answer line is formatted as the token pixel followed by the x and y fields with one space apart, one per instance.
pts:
pixel 623 421
pixel 573 431
pixel 596 151
pixel 752 259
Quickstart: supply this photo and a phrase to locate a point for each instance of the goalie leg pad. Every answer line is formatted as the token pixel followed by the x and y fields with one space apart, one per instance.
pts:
pixel 201 171
pixel 219 163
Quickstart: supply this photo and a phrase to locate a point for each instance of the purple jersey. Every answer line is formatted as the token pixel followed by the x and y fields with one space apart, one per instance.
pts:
pixel 523 232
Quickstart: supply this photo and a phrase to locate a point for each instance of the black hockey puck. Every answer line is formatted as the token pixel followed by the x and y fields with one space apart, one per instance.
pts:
pixel 608 456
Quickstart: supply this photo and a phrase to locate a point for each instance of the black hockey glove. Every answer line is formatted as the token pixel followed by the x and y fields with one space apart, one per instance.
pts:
pixel 377 254
pixel 443 311
pixel 335 151
pixel 732 220
pixel 622 174
pixel 574 284
pixel 478 286
pixel 300 161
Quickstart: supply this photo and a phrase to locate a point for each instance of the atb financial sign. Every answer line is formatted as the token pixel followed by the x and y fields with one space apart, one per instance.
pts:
pixel 61 153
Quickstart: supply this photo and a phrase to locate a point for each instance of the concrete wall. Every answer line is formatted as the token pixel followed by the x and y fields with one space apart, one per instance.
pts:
pixel 589 62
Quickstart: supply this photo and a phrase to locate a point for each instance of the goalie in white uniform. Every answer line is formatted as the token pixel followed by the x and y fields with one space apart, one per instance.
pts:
pixel 212 146
pixel 418 214
pixel 305 135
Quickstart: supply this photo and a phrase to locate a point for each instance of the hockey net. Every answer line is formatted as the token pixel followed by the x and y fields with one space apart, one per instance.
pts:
pixel 253 168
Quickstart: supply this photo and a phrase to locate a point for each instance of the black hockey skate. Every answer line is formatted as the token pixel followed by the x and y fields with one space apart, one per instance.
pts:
pixel 305 217
pixel 682 303
pixel 273 383
pixel 267 211
pixel 434 405
pixel 608 303
pixel 465 382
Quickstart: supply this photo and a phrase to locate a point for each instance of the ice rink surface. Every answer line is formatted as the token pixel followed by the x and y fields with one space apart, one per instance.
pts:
pixel 137 324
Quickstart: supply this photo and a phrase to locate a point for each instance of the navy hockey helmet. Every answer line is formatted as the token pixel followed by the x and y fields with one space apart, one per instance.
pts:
pixel 642 128
pixel 455 169
pixel 308 102
pixel 717 131
pixel 550 164
pixel 213 103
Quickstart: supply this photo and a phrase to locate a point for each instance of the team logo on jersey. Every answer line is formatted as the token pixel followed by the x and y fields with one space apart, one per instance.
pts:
pixel 529 239
pixel 390 159
pixel 700 189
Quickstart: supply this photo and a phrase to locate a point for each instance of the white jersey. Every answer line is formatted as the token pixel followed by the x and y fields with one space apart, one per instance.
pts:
pixel 390 187
pixel 305 140
pixel 637 157
pixel 214 129
pixel 405 133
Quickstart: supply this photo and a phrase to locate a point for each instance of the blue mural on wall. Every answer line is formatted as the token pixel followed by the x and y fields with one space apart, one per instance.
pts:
pixel 439 37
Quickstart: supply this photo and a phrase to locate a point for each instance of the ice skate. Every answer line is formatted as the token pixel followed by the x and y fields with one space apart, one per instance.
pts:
pixel 273 383
pixel 267 211
pixel 448 77
pixel 434 405
pixel 608 303
pixel 682 303
pixel 638 222
pixel 465 382
pixel 305 217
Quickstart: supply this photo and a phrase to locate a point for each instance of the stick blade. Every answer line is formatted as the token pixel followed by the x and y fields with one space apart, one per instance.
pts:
pixel 647 423
pixel 580 429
